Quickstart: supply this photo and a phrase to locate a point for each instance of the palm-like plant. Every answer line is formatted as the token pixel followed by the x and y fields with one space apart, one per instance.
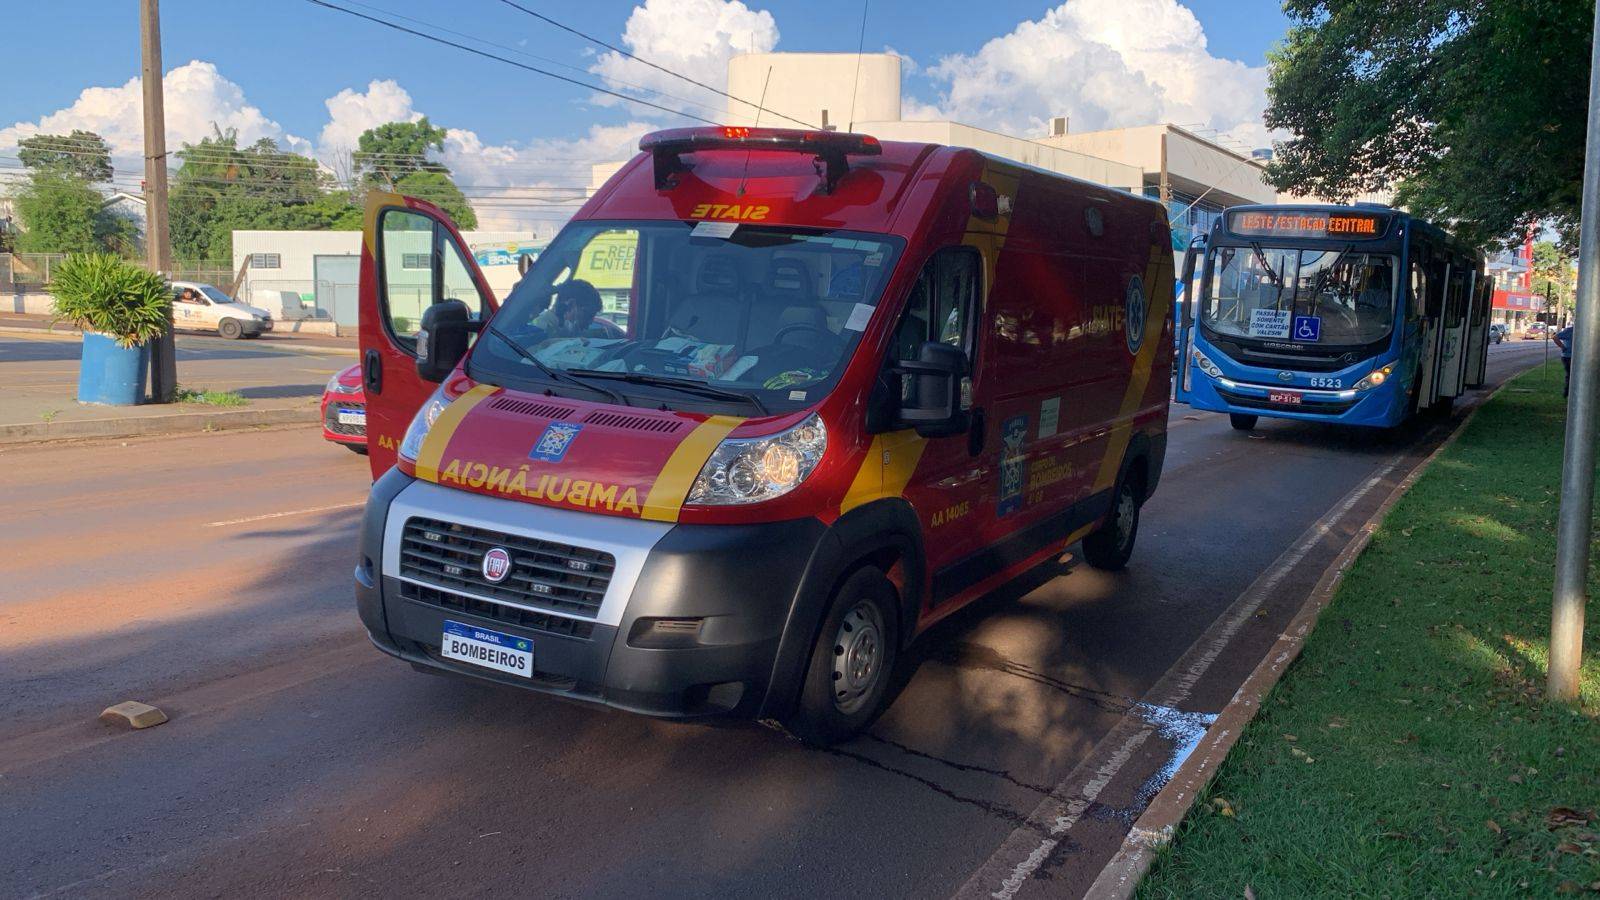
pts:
pixel 102 293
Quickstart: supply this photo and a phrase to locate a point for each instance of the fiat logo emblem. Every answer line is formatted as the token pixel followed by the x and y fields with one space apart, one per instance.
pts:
pixel 496 564
pixel 1285 376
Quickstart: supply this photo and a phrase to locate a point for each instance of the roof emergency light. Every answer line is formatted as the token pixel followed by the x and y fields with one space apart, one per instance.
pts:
pixel 830 149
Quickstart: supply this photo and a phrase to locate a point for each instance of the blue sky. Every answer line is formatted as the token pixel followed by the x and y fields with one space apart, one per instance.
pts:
pixel 277 64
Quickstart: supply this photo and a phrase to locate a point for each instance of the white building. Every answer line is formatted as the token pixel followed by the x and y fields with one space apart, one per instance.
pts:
pixel 315 274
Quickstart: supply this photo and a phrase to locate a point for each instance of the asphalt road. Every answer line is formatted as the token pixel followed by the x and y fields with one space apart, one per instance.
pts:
pixel 210 575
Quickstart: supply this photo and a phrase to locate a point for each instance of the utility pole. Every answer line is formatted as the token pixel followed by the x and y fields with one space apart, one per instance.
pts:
pixel 157 237
pixel 1577 464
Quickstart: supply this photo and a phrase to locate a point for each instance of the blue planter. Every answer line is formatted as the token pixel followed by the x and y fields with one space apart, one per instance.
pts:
pixel 110 374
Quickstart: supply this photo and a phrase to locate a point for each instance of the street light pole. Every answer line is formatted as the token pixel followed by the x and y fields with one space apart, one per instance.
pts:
pixel 1577 464
pixel 157 238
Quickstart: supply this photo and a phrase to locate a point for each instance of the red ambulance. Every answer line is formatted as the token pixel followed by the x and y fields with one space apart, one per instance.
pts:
pixel 770 405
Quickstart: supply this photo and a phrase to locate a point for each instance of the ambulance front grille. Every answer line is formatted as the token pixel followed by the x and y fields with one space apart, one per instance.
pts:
pixel 544 575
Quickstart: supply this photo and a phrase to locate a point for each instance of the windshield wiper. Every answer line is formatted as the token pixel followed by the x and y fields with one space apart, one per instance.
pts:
pixel 550 372
pixel 687 385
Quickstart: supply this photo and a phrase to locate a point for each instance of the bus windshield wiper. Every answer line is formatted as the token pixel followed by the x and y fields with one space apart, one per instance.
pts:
pixel 687 385
pixel 550 372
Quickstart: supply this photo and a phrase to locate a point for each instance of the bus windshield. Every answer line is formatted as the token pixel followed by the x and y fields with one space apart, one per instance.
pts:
pixel 1330 297
pixel 748 314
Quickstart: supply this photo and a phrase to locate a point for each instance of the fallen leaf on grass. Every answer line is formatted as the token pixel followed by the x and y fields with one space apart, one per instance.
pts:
pixel 1493 826
pixel 1568 847
pixel 1290 738
pixel 1408 739
pixel 1224 808
pixel 1515 779
pixel 1302 754
pixel 1562 816
pixel 1568 887
pixel 1338 722
pixel 1249 893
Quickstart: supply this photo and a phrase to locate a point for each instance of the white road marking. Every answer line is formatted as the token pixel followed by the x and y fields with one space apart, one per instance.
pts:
pixel 1055 818
pixel 291 512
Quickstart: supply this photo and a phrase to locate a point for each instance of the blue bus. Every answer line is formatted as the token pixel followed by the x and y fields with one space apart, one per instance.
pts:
pixel 1356 315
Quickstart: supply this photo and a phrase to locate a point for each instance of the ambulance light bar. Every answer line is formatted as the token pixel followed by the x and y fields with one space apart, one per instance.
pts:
pixel 830 148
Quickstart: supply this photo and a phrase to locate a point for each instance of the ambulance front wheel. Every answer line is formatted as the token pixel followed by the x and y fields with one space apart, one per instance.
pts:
pixel 852 663
pixel 1242 421
pixel 1111 546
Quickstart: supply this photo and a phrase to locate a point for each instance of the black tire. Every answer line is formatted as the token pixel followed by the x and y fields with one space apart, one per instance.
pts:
pixel 230 329
pixel 358 448
pixel 1242 421
pixel 1111 546
pixel 848 677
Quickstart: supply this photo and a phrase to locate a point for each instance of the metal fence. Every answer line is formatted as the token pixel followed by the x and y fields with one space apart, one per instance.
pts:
pixel 32 271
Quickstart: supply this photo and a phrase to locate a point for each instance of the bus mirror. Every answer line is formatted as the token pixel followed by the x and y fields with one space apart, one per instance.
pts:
pixel 442 340
pixel 931 402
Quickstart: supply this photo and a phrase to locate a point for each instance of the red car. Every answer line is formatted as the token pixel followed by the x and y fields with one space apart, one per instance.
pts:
pixel 344 410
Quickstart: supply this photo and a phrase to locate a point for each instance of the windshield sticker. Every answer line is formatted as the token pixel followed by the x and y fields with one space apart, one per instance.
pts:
pixel 1049 417
pixel 874 260
pixel 710 229
pixel 797 395
pixel 791 378
pixel 552 446
pixel 1269 323
pixel 1308 328
pixel 860 315
pixel 1013 465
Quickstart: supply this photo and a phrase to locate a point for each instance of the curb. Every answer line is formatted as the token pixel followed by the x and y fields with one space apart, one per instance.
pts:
pixel 166 424
pixel 1154 829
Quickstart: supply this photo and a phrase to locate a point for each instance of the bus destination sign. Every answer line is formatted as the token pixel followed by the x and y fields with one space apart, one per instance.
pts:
pixel 1308 224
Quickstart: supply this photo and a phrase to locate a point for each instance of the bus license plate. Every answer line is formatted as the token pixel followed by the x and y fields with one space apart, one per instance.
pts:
pixel 353 417
pixel 490 649
pixel 1292 398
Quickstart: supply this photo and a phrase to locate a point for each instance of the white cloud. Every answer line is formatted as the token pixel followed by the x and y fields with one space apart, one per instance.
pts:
pixel 1106 64
pixel 196 97
pixel 351 112
pixel 509 184
pixel 695 38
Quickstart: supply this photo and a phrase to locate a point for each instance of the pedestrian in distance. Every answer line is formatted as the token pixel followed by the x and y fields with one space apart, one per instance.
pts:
pixel 1563 339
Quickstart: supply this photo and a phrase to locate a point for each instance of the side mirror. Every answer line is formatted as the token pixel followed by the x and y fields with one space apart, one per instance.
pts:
pixel 442 341
pixel 932 402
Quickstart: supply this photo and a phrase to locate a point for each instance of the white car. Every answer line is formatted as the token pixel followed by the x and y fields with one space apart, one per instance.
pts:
pixel 202 307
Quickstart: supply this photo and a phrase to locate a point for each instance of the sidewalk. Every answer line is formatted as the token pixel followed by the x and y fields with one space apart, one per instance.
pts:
pixel 283 336
pixel 1409 751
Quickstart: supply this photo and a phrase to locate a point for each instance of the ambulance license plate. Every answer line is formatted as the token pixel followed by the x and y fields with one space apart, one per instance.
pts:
pixel 353 417
pixel 490 649
pixel 1292 398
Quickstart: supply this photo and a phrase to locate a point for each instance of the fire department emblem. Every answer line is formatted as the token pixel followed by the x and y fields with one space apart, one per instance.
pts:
pixel 1135 308
pixel 496 564
pixel 553 444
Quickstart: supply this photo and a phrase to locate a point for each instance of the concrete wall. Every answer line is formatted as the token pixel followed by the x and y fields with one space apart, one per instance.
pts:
pixel 1033 153
pixel 803 85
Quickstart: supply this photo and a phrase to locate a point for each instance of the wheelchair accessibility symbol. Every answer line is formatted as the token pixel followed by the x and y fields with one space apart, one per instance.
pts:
pixel 1307 328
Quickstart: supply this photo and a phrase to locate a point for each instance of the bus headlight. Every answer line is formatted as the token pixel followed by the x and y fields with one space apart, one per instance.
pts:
pixel 749 470
pixel 1378 376
pixel 1205 365
pixel 422 423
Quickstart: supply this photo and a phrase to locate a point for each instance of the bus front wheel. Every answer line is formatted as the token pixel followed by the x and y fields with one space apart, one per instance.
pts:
pixel 1242 421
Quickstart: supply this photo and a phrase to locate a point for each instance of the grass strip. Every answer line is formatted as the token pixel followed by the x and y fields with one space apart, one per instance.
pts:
pixel 209 397
pixel 1409 751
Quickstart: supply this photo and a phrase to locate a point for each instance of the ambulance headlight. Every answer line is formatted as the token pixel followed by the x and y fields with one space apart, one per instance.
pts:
pixel 1203 364
pixel 1378 376
pixel 422 424
pixel 749 470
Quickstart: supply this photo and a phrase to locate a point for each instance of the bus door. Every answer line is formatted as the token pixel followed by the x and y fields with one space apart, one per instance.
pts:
pixel 1187 307
pixel 1478 331
pixel 412 257
pixel 1423 283
pixel 1453 351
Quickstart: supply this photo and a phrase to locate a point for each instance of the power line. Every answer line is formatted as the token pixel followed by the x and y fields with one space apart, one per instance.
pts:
pixel 510 62
pixel 657 66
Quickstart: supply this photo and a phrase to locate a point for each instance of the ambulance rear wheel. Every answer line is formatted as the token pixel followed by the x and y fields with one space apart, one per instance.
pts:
pixel 230 328
pixel 848 677
pixel 1242 421
pixel 1111 546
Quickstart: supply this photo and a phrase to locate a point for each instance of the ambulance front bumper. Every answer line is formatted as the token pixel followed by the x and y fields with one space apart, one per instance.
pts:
pixel 663 619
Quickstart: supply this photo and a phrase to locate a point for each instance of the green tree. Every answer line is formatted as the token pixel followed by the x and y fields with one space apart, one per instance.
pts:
pixel 395 156
pixel 63 214
pixel 1553 272
pixel 1475 112
pixel 222 187
pixel 82 154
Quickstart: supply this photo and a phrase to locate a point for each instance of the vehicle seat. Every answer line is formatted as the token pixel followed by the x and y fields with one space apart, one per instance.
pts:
pixel 788 298
pixel 713 312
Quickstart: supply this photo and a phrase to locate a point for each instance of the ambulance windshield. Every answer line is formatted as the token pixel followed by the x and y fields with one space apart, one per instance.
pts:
pixel 737 310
